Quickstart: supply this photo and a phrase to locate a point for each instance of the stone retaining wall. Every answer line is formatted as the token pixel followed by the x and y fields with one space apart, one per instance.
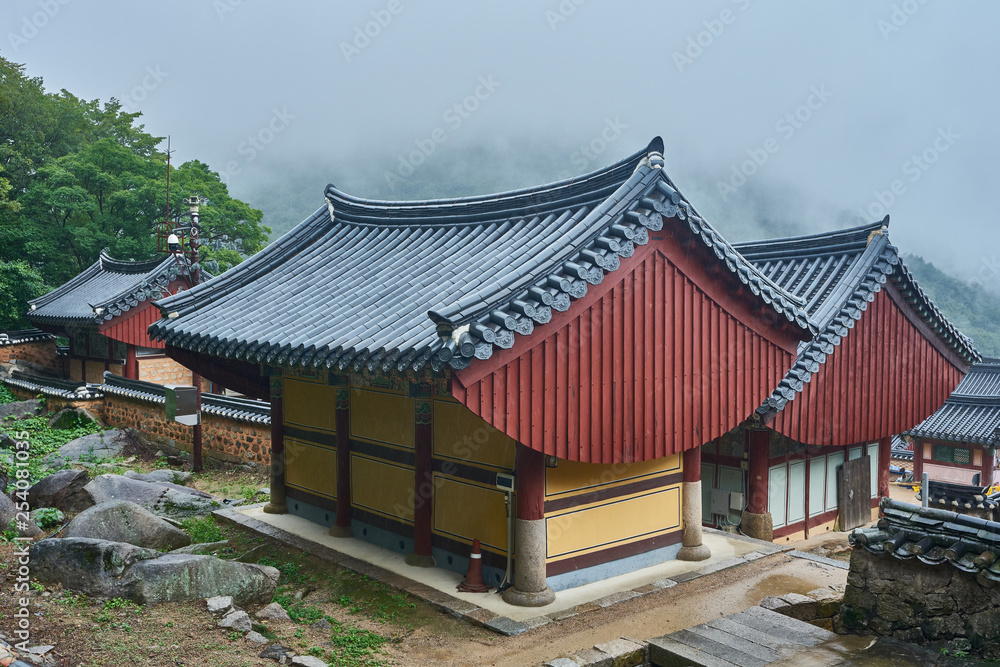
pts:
pixel 41 352
pixel 222 438
pixel 919 603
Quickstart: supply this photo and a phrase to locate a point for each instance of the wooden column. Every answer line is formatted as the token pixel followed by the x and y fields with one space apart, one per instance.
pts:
pixel 131 362
pixel 342 525
pixel 423 482
pixel 530 588
pixel 693 547
pixel 989 463
pixel 756 520
pixel 277 504
pixel 884 456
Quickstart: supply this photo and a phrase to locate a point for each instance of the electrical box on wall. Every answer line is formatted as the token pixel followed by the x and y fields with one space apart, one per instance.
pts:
pixel 736 501
pixel 720 501
pixel 182 404
pixel 505 482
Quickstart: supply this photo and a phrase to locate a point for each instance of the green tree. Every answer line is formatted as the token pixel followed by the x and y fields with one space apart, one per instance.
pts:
pixel 19 283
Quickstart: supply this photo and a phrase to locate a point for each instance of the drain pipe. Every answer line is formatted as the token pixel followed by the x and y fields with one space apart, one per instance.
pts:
pixel 506 484
pixel 924 491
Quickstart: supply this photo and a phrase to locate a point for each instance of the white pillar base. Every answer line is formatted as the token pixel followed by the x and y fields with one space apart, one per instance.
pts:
pixel 529 589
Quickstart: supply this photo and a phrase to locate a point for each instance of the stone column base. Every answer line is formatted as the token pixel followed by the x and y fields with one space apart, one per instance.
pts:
pixel 416 560
pixel 340 531
pixel 700 552
pixel 759 526
pixel 275 508
pixel 529 589
pixel 529 598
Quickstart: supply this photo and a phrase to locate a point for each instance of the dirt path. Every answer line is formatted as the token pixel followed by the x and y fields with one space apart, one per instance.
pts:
pixel 687 604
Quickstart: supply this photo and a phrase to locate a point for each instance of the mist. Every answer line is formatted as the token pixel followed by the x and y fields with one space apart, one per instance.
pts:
pixel 777 118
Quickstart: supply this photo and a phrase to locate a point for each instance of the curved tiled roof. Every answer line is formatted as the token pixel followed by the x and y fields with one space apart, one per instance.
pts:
pixel 24 336
pixel 934 537
pixel 108 286
pixel 837 274
pixel 53 386
pixel 391 286
pixel 239 409
pixel 972 412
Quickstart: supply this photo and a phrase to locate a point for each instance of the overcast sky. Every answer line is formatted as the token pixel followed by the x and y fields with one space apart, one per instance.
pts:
pixel 828 114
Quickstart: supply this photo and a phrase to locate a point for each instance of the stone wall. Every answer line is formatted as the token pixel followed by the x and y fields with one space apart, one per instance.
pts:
pixel 222 438
pixel 56 403
pixel 41 352
pixel 914 602
pixel 163 370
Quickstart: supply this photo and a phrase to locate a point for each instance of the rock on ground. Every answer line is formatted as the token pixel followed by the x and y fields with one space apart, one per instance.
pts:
pixel 236 620
pixel 62 490
pixel 220 604
pixel 124 521
pixel 84 565
pixel 104 445
pixel 8 513
pixel 308 661
pixel 176 577
pixel 273 612
pixel 72 417
pixel 256 638
pixel 276 652
pixel 179 477
pixel 22 409
pixel 162 499
pixel 206 548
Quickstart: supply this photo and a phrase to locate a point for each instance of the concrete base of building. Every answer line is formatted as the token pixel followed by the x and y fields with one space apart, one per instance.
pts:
pixel 340 531
pixel 759 526
pixel 416 560
pixel 695 553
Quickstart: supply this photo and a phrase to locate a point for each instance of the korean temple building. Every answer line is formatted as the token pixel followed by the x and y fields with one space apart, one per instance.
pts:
pixel 958 443
pixel 104 312
pixel 581 341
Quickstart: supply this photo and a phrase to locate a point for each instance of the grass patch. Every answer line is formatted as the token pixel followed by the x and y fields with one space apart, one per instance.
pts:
pixel 43 440
pixel 202 529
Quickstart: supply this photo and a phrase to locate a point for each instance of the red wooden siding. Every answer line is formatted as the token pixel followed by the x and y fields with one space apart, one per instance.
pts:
pixel 645 366
pixel 130 326
pixel 885 377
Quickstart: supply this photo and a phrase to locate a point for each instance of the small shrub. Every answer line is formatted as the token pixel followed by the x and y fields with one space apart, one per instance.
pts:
pixel 48 517
pixel 202 530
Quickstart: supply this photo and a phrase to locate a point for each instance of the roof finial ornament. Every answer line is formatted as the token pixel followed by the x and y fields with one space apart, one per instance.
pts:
pixel 883 231
pixel 654 153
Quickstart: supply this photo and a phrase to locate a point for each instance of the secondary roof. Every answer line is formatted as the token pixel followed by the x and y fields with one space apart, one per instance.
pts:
pixel 972 412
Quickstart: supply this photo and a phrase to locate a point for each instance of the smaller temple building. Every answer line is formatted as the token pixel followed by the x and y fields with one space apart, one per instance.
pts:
pixel 958 443
pixel 103 313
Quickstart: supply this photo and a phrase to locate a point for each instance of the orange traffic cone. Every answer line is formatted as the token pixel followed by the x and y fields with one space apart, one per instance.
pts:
pixel 474 576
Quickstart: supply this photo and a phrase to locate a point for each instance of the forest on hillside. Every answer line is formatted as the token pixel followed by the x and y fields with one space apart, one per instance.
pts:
pixel 78 176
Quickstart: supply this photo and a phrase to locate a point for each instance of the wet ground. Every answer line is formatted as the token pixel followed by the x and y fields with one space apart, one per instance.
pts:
pixel 852 651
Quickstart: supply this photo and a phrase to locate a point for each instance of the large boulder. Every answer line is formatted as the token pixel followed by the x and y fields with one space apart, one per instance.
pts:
pixel 8 513
pixel 161 476
pixel 160 498
pixel 122 521
pixel 93 447
pixel 85 565
pixel 177 577
pixel 22 409
pixel 63 490
pixel 71 418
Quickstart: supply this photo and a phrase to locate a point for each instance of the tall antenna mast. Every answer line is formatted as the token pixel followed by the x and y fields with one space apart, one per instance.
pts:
pixel 167 213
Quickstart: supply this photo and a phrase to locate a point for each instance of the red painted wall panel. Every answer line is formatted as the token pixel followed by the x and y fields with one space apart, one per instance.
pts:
pixel 885 377
pixel 647 365
pixel 130 326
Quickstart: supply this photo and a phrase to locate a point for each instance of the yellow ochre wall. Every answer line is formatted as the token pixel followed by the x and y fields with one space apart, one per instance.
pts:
pixel 310 458
pixel 466 509
pixel 615 519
